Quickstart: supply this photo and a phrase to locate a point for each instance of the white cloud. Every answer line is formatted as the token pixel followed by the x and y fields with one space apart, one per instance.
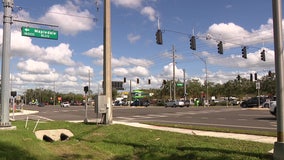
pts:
pixel 150 12
pixel 233 35
pixel 69 18
pixel 139 71
pixel 60 54
pixel 95 52
pixel 168 71
pixel 128 3
pixel 120 71
pixel 82 72
pixel 32 66
pixel 23 47
pixel 133 38
pixel 32 78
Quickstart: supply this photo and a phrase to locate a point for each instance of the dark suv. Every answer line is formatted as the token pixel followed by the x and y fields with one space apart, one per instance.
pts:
pixel 253 102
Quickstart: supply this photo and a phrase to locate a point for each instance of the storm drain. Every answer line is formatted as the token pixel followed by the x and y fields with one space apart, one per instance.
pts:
pixel 54 135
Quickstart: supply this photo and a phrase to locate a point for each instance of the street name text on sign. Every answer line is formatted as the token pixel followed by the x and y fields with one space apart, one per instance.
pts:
pixel 39 33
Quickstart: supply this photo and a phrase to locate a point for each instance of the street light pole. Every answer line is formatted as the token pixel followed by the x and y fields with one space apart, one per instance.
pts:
pixel 279 65
pixel 206 75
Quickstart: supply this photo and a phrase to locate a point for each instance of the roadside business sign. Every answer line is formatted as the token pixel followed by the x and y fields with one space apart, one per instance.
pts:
pixel 39 33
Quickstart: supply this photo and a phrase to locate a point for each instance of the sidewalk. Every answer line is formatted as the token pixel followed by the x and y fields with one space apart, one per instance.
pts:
pixel 246 137
pixel 23 112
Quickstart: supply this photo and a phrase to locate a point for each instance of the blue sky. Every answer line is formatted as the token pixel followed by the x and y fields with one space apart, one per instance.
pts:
pixel 65 64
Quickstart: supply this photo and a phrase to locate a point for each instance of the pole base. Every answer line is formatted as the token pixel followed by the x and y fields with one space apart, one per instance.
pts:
pixel 85 120
pixel 8 128
pixel 278 153
pixel 5 124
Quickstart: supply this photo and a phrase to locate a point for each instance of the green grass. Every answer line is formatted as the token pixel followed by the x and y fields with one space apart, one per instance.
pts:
pixel 119 142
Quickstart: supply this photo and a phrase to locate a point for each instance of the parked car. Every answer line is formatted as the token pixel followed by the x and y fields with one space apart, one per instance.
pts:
pixel 65 104
pixel 253 102
pixel 145 103
pixel 41 105
pixel 174 103
pixel 273 108
pixel 188 103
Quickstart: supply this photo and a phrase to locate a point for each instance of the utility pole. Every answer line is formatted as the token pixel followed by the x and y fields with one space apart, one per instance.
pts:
pixel 107 62
pixel 130 93
pixel 174 73
pixel 184 85
pixel 279 65
pixel 5 73
pixel 206 78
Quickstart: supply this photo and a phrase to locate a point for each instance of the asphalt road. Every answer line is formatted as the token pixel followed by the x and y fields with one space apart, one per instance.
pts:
pixel 227 117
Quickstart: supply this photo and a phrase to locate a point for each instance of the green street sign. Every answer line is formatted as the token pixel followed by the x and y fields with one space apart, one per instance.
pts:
pixel 39 33
pixel 179 84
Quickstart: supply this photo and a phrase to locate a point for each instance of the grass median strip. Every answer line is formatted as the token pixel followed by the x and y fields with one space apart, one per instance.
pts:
pixel 119 142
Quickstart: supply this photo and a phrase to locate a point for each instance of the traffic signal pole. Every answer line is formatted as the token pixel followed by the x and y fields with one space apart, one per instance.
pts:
pixel 5 73
pixel 279 66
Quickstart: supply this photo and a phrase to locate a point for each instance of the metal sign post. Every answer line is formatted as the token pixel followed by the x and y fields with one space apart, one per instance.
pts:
pixel 5 72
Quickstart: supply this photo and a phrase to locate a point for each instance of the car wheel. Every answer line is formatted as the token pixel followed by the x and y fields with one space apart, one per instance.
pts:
pixel 274 112
pixel 266 105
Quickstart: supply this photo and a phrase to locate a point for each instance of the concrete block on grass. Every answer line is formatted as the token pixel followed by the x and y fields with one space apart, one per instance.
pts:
pixel 54 135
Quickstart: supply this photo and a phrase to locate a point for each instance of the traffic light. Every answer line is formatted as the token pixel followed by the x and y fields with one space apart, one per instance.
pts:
pixel 251 77
pixel 255 76
pixel 262 55
pixel 244 52
pixel 149 81
pixel 13 93
pixel 269 74
pixel 86 89
pixel 164 82
pixel 220 47
pixel 124 80
pixel 192 43
pixel 137 80
pixel 239 77
pixel 159 37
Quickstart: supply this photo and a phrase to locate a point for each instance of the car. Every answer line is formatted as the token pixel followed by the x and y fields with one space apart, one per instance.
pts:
pixel 65 104
pixel 174 103
pixel 41 105
pixel 266 104
pixel 188 103
pixel 145 103
pixel 273 108
pixel 253 102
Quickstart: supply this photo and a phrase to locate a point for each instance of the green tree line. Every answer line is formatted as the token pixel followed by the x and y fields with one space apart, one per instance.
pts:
pixel 195 89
